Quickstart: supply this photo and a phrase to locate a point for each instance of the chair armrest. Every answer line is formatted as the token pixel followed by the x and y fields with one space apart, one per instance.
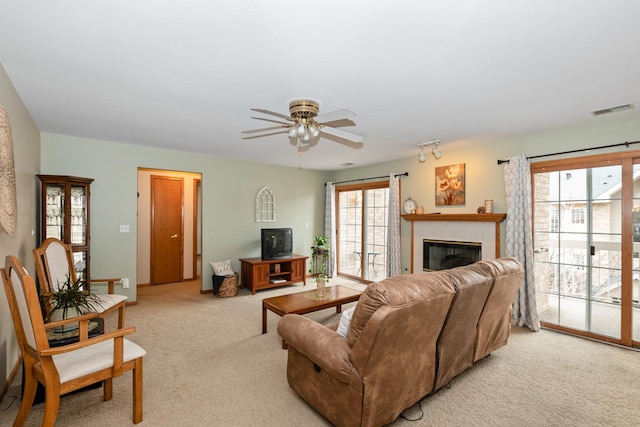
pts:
pixel 110 283
pixel 83 318
pixel 325 347
pixel 91 341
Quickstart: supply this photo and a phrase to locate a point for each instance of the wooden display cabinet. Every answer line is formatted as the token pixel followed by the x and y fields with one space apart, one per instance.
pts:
pixel 259 274
pixel 64 215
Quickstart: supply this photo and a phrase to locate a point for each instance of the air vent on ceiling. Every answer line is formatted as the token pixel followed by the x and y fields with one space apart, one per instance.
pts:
pixel 617 109
pixel 347 164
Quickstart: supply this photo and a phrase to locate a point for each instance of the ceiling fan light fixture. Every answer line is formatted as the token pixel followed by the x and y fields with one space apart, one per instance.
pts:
pixel 313 130
pixel 303 123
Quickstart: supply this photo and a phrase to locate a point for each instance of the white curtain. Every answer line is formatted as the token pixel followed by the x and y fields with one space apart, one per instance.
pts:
pixel 394 266
pixel 519 238
pixel 330 225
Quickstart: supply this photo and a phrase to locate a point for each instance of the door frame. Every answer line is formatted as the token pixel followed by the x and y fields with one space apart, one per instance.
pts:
pixel 626 160
pixel 355 187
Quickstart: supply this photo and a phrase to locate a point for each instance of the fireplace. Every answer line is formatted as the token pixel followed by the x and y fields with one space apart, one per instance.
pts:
pixel 444 254
pixel 482 228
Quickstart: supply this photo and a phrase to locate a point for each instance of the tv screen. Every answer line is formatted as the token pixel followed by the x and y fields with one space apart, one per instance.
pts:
pixel 277 243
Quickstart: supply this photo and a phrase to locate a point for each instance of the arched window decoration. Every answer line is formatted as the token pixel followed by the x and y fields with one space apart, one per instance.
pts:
pixel 265 206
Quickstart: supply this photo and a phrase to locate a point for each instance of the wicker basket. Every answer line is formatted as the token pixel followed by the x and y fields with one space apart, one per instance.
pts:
pixel 229 287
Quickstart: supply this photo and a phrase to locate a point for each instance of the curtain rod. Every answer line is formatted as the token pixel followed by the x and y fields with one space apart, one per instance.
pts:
pixel 626 144
pixel 367 179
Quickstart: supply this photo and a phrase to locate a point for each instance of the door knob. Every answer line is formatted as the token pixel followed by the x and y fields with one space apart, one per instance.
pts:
pixel 174 236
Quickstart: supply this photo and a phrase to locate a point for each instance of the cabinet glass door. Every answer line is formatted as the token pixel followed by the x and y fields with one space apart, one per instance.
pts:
pixel 55 212
pixel 78 215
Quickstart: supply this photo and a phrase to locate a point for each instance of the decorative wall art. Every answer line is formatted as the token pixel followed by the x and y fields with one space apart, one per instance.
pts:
pixel 450 185
pixel 265 206
pixel 8 200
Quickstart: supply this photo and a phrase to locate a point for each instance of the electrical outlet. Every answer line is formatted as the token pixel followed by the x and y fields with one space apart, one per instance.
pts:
pixel 125 283
pixel 124 228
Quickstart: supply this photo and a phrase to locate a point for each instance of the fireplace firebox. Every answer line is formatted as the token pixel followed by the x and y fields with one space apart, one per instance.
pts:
pixel 444 254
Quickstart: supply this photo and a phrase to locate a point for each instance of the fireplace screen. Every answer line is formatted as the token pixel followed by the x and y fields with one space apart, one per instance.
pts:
pixel 443 254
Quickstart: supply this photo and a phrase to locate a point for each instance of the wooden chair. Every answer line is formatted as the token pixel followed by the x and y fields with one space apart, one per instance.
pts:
pixel 54 263
pixel 68 368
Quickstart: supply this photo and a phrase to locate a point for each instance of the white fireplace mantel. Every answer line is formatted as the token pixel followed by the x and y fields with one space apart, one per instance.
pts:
pixel 481 228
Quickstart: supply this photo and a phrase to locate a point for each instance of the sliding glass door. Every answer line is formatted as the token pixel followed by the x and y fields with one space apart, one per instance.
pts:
pixel 586 246
pixel 362 230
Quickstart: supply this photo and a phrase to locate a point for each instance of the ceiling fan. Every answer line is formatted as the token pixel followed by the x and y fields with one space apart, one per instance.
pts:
pixel 304 124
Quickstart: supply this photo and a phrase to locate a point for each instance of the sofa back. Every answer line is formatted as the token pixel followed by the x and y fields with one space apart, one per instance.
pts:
pixel 494 324
pixel 456 344
pixel 393 335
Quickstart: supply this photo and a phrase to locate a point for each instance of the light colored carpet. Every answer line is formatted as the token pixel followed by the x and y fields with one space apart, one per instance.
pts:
pixel 209 365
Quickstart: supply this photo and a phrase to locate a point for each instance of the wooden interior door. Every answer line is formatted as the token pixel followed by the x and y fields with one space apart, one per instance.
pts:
pixel 166 229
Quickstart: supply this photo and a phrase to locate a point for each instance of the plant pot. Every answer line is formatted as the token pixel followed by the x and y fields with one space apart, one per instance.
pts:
pixel 60 314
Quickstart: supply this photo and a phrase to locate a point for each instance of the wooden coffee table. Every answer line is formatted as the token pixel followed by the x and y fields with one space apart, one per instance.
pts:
pixel 307 302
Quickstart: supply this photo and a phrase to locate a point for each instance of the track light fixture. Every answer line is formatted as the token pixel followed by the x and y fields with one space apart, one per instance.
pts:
pixel 436 153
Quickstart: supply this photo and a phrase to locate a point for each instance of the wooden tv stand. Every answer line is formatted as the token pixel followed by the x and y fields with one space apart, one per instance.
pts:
pixel 257 274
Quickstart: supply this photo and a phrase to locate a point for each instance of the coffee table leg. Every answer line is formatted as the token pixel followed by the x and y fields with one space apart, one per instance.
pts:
pixel 264 319
pixel 339 309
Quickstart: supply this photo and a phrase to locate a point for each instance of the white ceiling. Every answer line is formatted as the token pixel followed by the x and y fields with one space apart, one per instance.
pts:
pixel 185 74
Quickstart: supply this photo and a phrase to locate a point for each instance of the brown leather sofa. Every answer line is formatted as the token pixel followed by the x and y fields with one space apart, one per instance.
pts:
pixel 409 336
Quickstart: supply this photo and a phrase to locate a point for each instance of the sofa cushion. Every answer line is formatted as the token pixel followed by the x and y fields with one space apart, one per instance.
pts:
pixel 396 290
pixel 345 322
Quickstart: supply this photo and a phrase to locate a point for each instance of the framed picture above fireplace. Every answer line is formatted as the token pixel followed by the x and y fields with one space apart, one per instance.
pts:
pixel 450 185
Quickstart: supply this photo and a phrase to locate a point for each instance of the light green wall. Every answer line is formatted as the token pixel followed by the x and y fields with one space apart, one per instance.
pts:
pixel 229 188
pixel 26 149
pixel 484 178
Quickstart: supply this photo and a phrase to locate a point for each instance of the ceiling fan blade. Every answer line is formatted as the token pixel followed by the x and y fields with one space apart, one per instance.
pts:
pixel 334 115
pixel 273 113
pixel 264 134
pixel 342 134
pixel 339 123
pixel 270 120
pixel 265 129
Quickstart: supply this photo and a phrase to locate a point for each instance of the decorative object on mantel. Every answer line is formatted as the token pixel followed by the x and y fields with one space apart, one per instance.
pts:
pixel 450 185
pixel 488 206
pixel 409 206
pixel 420 210
pixel 265 206
pixel 8 200
pixel 481 210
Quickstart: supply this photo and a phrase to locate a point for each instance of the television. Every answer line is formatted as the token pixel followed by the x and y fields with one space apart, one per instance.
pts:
pixel 277 243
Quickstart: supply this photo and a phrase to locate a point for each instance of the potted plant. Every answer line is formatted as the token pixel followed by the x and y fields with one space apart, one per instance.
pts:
pixel 70 300
pixel 319 258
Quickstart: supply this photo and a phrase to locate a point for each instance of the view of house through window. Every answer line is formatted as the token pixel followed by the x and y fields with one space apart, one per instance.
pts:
pixel 362 212
pixel 583 280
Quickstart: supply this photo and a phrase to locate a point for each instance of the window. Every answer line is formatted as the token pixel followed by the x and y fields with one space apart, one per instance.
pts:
pixel 555 220
pixel 362 212
pixel 577 215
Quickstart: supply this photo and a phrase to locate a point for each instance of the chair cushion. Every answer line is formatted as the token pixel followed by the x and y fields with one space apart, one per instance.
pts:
pixel 106 301
pixel 87 360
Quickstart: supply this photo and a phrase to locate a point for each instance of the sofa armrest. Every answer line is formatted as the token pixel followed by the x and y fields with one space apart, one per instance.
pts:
pixel 325 347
